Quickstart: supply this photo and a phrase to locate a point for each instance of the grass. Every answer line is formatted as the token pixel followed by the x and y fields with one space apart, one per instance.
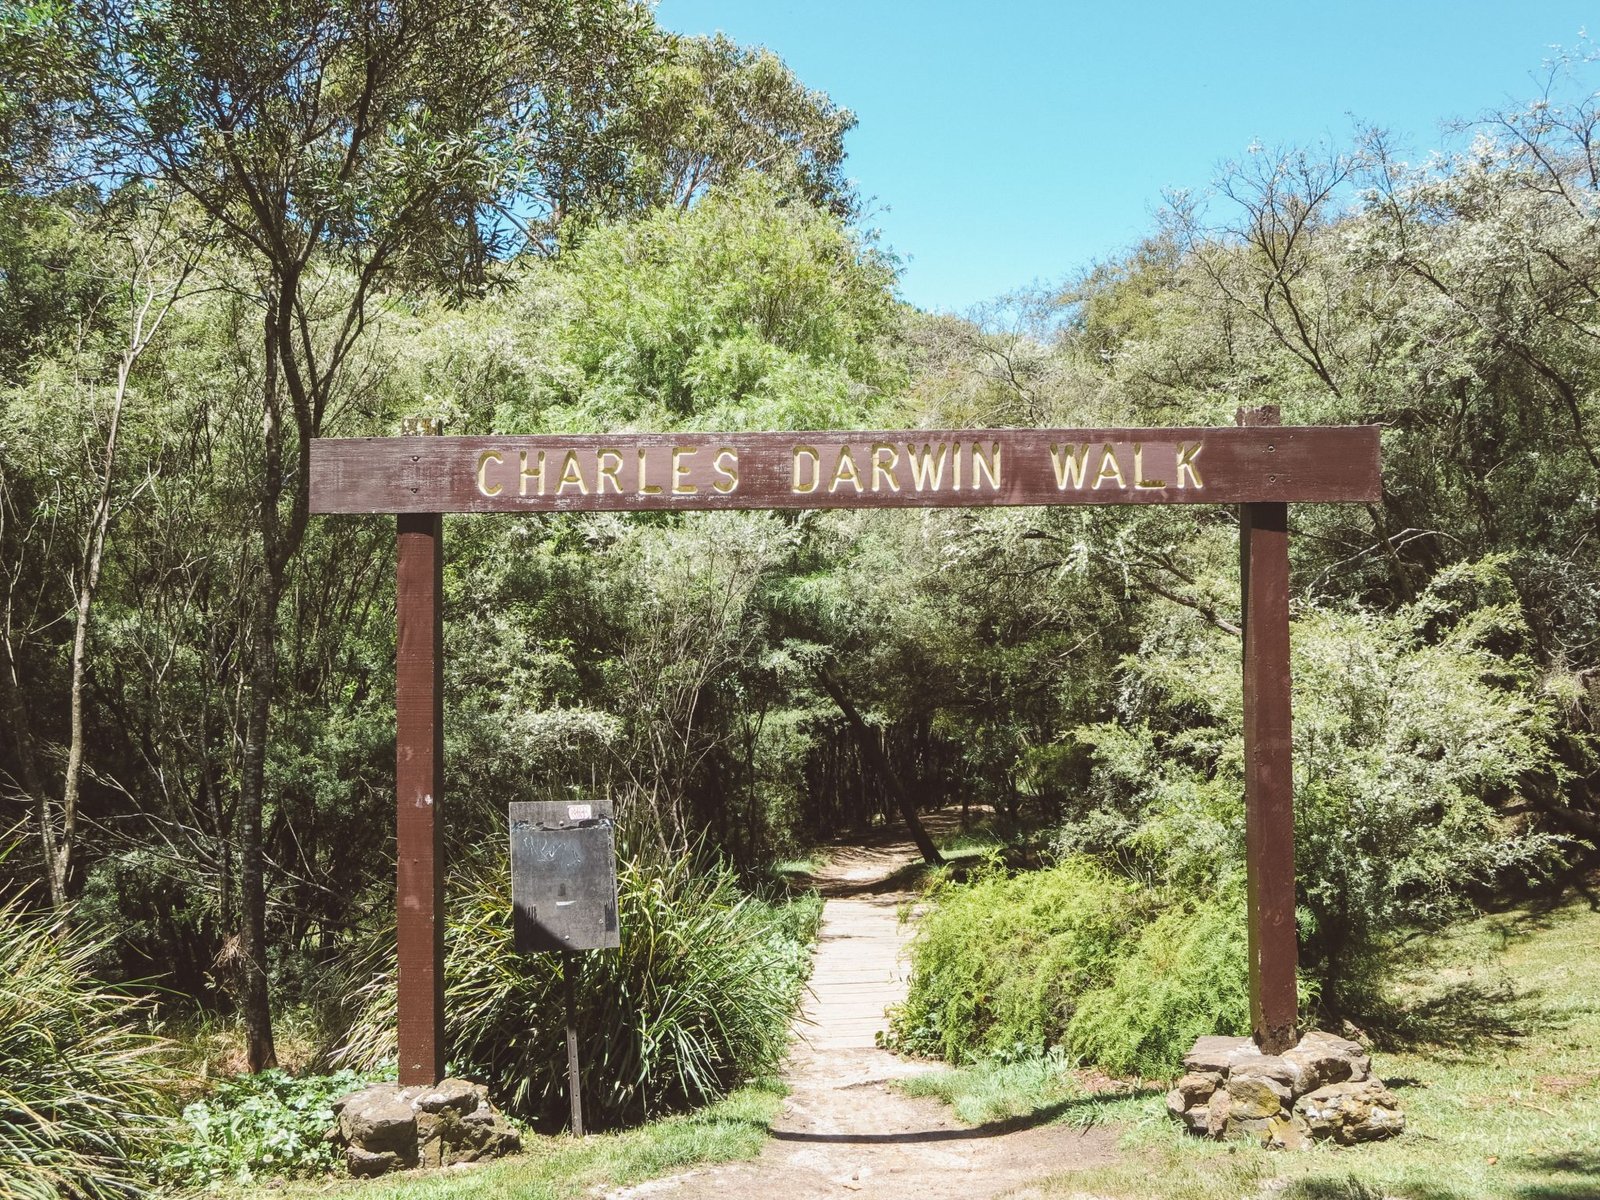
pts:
pixel 559 1168
pixel 1495 1055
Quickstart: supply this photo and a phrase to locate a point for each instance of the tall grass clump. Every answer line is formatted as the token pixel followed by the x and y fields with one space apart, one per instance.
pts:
pixel 698 998
pixel 84 1103
pixel 999 963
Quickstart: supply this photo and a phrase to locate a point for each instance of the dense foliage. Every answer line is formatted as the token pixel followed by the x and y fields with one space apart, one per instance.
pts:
pixel 697 999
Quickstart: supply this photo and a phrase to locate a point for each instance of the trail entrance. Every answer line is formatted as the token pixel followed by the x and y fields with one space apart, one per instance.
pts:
pixel 846 1128
pixel 1259 465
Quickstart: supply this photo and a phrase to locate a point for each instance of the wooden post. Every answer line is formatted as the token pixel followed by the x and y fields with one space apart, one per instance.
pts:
pixel 1268 766
pixel 419 785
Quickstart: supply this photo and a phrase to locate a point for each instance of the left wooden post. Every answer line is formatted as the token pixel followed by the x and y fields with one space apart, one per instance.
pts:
pixel 419 787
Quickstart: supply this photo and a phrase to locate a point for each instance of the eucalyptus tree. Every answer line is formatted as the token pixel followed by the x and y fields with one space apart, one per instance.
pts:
pixel 340 148
pixel 713 109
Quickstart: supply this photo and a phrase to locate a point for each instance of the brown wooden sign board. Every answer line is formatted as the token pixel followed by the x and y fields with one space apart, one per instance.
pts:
pixel 1260 465
pixel 915 468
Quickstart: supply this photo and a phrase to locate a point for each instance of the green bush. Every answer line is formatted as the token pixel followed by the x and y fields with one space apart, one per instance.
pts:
pixel 83 1093
pixel 1186 976
pixel 259 1127
pixel 1417 735
pixel 998 965
pixel 698 998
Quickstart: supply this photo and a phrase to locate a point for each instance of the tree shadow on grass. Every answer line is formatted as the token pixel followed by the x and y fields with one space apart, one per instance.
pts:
pixel 1466 1016
pixel 1573 1175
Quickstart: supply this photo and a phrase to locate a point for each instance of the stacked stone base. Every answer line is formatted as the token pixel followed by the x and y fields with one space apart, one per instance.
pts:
pixel 387 1127
pixel 1322 1090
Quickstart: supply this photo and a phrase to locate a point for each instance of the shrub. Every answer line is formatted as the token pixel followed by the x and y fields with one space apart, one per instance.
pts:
pixel 259 1126
pixel 1416 736
pixel 1185 976
pixel 698 998
pixel 998 964
pixel 83 1093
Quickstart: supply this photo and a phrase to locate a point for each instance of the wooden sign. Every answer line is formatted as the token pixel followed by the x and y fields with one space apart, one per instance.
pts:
pixel 883 469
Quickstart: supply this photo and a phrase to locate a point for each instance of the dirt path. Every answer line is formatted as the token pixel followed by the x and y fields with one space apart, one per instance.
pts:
pixel 844 1130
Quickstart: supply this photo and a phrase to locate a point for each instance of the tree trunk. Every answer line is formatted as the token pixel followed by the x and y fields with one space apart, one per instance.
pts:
pixel 88 584
pixel 872 753
pixel 255 1001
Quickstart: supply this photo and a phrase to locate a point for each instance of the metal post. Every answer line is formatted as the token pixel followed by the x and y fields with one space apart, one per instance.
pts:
pixel 419 785
pixel 1268 770
pixel 569 969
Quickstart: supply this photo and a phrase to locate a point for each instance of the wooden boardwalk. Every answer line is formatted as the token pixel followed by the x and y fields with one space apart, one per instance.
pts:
pixel 859 972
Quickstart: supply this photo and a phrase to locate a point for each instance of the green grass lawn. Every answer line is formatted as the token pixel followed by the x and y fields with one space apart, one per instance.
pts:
pixel 562 1167
pixel 1497 1065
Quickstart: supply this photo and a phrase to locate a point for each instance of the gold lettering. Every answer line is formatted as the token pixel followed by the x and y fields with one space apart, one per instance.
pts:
pixel 483 471
pixel 571 474
pixel 956 485
pixel 1139 481
pixel 603 472
pixel 523 474
pixel 816 469
pixel 842 475
pixel 1109 468
pixel 1069 462
pixel 646 488
pixel 884 467
pixel 990 466
pixel 926 471
pixel 1187 453
pixel 729 472
pixel 680 471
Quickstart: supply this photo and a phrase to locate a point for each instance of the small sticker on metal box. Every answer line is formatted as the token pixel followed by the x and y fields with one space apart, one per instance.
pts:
pixel 580 812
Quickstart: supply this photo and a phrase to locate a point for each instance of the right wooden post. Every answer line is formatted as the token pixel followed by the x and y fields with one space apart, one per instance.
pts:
pixel 1268 765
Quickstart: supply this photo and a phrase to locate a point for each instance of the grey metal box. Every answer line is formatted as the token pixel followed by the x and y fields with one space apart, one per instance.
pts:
pixel 563 876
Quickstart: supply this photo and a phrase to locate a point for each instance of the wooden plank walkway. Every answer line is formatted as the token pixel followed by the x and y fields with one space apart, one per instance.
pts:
pixel 860 971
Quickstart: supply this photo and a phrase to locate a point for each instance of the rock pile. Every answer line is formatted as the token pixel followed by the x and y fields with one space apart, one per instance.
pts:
pixel 1322 1089
pixel 385 1127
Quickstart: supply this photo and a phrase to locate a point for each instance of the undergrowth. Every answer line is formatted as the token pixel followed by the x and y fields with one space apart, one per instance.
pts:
pixel 265 1126
pixel 1072 958
pixel 697 1000
pixel 84 1093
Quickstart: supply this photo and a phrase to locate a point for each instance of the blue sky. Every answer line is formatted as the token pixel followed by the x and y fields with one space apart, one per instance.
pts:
pixel 1010 142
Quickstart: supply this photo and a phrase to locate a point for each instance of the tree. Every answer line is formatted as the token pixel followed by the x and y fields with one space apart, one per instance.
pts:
pixel 340 147
pixel 157 252
pixel 712 110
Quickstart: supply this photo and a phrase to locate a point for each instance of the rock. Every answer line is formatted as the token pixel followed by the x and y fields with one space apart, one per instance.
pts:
pixel 1350 1112
pixel 460 1095
pixel 1321 1059
pixel 1176 1104
pixel 1197 1088
pixel 385 1127
pixel 378 1120
pixel 1266 1066
pixel 1321 1089
pixel 1217 1114
pixel 1218 1054
pixel 1293 1134
pixel 370 1162
pixel 1255 1129
pixel 1254 1099
pixel 1318 1043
